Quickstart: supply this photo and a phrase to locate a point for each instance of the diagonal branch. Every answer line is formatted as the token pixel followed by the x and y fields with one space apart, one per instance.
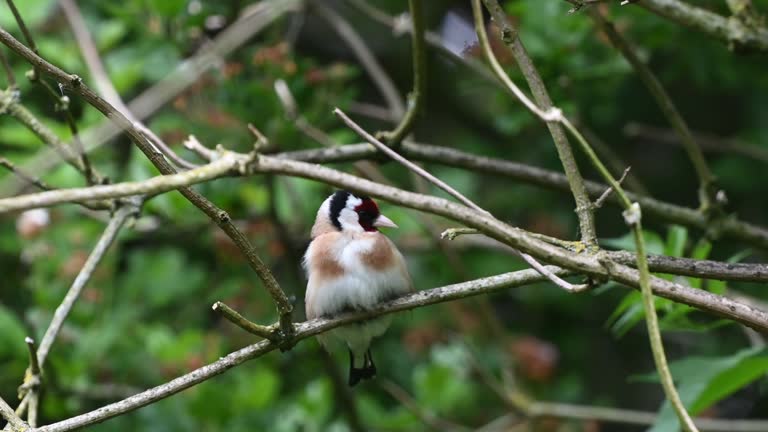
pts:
pixel 6 412
pixel 186 73
pixel 510 37
pixel 456 194
pixel 76 85
pixel 365 57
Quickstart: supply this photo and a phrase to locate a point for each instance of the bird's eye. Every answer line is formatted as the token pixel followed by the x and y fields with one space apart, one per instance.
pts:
pixel 364 214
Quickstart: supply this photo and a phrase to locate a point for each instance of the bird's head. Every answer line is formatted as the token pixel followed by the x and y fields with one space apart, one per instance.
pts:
pixel 347 212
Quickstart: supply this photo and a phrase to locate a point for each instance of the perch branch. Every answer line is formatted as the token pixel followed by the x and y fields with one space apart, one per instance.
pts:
pixel 303 330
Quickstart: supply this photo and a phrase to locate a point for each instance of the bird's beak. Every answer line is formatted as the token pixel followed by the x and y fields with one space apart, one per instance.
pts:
pixel 383 221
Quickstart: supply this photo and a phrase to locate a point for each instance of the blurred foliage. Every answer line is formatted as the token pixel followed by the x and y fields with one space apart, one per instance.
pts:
pixel 145 317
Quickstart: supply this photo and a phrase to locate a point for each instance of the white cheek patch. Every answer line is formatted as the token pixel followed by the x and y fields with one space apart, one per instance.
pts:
pixel 349 221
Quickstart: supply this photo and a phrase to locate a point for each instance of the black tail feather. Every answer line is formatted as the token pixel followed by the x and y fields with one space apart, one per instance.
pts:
pixel 368 370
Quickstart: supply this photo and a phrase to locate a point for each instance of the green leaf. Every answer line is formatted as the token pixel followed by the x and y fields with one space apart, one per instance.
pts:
pixel 703 381
pixel 167 8
pixel 33 12
pixel 12 334
pixel 653 242
pixel 676 238
pixel 702 249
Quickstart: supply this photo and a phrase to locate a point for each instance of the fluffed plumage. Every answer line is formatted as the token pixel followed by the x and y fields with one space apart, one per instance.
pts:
pixel 351 266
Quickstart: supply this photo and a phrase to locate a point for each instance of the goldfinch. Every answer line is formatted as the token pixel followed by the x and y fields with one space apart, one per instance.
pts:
pixel 351 266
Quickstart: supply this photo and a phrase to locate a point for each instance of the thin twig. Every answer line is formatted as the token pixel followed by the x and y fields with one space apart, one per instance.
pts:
pixel 101 79
pixel 737 34
pixel 417 96
pixel 8 69
pixel 22 26
pixel 405 162
pixel 11 104
pixel 235 318
pixel 453 192
pixel 26 177
pixel 710 143
pixel 164 148
pixel 34 365
pixel 601 199
pixel 365 57
pixel 427 417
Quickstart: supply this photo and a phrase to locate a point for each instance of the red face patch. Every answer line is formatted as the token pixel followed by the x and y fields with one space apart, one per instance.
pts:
pixel 367 213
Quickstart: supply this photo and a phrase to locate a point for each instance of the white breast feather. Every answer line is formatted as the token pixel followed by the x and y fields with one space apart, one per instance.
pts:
pixel 360 288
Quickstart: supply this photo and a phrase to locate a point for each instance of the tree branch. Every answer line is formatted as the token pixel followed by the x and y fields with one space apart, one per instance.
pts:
pixel 364 56
pixel 416 97
pixel 730 227
pixel 303 330
pixel 544 110
pixel 17 424
pixel 453 192
pixel 75 84
pixel 707 188
pixel 228 163
pixel 187 72
pixel 736 33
